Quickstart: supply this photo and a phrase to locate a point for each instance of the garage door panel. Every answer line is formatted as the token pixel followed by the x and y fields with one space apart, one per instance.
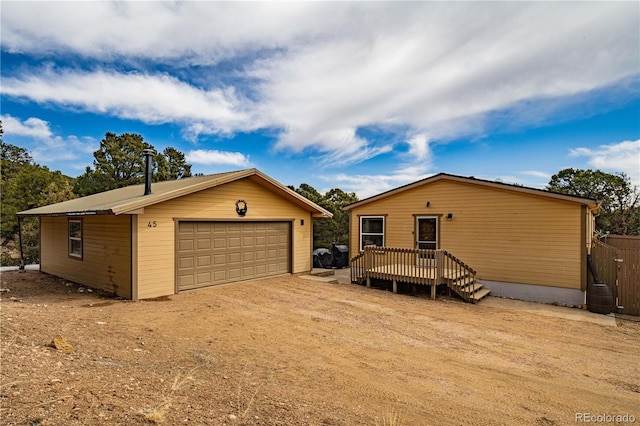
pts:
pixel 204 261
pixel 185 245
pixel 218 228
pixel 234 258
pixel 211 253
pixel 185 227
pixel 203 244
pixel 203 227
pixel 204 278
pixel 186 280
pixel 234 273
pixel 186 262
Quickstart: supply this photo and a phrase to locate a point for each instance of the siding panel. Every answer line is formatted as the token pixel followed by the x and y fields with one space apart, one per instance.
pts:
pixel 106 261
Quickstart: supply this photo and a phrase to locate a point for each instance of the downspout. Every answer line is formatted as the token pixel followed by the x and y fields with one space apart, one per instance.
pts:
pixel 20 241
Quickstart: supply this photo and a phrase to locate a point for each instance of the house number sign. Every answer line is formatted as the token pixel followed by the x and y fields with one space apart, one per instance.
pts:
pixel 152 224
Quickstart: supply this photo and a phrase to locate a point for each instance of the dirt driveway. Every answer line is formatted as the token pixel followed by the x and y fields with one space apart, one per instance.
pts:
pixel 290 351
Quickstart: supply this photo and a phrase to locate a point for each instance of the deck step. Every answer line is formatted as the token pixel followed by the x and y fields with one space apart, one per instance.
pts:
pixel 477 296
pixel 472 288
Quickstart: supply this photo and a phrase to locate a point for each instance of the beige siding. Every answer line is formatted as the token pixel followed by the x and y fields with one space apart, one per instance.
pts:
pixel 106 261
pixel 156 243
pixel 506 236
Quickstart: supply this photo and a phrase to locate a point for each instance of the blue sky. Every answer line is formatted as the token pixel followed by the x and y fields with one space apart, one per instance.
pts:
pixel 363 96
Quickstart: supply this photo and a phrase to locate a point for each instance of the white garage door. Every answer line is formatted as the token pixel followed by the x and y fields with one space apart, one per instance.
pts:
pixel 210 253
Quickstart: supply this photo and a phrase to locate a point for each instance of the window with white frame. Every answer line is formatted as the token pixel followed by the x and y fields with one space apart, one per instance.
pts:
pixel 75 238
pixel 371 231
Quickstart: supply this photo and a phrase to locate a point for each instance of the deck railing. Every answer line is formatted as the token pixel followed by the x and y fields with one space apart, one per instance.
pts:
pixel 414 266
pixel 459 276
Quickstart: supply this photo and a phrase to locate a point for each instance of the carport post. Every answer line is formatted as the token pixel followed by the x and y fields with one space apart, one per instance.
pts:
pixel 20 242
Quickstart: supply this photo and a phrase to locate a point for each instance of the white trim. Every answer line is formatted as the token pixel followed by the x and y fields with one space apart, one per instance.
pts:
pixel 360 233
pixel 70 239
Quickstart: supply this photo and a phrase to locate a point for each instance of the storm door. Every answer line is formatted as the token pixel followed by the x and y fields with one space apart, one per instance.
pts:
pixel 427 232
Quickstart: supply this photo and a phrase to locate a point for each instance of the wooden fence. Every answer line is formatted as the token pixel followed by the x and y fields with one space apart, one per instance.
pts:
pixel 623 241
pixel 620 269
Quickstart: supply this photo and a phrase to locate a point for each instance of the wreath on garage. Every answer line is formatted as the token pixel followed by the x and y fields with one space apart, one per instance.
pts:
pixel 241 207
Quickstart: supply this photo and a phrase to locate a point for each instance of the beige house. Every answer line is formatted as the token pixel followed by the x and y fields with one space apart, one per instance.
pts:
pixel 524 243
pixel 188 233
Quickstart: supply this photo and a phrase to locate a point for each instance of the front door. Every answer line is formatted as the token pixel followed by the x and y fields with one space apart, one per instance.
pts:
pixel 427 232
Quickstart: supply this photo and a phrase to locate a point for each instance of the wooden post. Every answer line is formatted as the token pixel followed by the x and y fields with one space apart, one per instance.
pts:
pixel 395 285
pixel 20 242
pixel 439 266
pixel 367 264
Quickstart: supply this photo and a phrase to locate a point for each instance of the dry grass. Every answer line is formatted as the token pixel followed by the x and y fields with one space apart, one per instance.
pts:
pixel 390 418
pixel 157 415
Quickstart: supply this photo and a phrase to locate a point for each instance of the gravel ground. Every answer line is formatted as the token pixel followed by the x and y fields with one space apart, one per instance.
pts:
pixel 290 351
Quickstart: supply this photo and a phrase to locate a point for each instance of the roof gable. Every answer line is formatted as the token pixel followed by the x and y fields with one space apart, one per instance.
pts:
pixel 131 198
pixel 591 203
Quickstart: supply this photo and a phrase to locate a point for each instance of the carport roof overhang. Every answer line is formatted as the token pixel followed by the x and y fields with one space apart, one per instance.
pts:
pixel 131 199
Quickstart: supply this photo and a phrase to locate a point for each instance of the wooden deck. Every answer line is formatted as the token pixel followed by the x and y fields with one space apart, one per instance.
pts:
pixel 422 267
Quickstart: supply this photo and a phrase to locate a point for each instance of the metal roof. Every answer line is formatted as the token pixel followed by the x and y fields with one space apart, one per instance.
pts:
pixel 131 198
pixel 591 203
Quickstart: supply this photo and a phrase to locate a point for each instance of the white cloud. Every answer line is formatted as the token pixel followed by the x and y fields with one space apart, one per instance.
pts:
pixel 45 146
pixel 368 185
pixel 197 32
pixel 419 148
pixel 436 77
pixel 153 99
pixel 619 157
pixel 318 72
pixel 210 157
pixel 32 127
pixel 537 173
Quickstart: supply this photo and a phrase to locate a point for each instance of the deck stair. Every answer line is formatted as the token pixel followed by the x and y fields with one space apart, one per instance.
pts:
pixel 470 290
pixel 418 266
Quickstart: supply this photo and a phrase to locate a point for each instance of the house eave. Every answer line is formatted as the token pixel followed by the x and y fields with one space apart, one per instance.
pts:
pixel 591 203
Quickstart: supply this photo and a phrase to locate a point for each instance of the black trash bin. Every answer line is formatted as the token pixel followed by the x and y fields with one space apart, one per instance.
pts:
pixel 322 258
pixel 340 256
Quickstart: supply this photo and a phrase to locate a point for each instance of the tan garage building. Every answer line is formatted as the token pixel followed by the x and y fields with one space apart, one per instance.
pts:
pixel 186 234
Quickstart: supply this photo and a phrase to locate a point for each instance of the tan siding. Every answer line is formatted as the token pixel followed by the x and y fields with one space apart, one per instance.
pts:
pixel 106 262
pixel 504 235
pixel 156 245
